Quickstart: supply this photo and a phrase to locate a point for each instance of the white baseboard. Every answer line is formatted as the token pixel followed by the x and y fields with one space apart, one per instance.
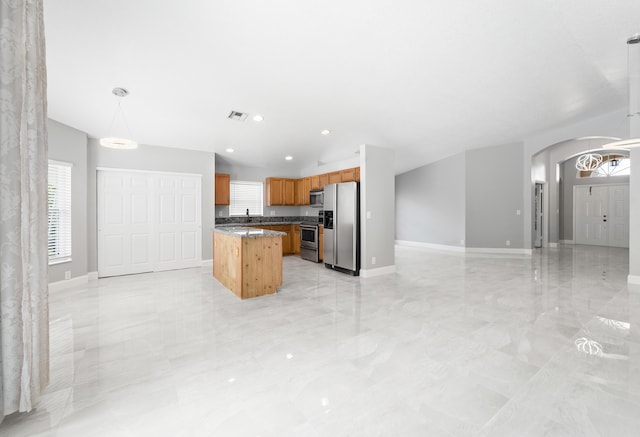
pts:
pixel 92 276
pixel 370 273
pixel 633 279
pixel 68 283
pixel 566 242
pixel 207 263
pixel 430 246
pixel 499 250
pixel 553 245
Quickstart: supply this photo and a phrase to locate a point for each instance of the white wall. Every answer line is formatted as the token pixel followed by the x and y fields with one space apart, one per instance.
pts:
pixel 493 197
pixel 430 203
pixel 70 145
pixel 377 192
pixel 150 158
pixel 634 217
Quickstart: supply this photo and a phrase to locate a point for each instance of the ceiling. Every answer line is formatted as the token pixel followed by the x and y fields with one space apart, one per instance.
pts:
pixel 428 79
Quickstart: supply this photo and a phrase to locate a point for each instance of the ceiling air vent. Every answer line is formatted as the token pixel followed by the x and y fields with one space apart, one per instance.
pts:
pixel 238 116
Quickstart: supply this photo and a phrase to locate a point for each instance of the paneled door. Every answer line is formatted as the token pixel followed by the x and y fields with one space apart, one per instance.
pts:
pixel 125 240
pixel 618 217
pixel 602 215
pixel 178 226
pixel 148 222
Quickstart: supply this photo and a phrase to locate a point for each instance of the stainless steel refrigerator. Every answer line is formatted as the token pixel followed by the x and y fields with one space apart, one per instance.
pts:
pixel 342 227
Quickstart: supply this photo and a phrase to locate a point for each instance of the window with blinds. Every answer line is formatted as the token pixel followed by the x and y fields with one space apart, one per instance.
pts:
pixel 245 195
pixel 59 196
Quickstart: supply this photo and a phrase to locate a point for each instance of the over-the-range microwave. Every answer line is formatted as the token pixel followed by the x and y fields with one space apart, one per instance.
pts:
pixel 316 198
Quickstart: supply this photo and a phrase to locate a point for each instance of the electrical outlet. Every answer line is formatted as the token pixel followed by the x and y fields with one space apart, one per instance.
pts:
pixel 462 242
pixel 306 213
pixel 508 242
pixel 273 213
pixel 219 213
pixel 373 260
pixel 67 274
pixel 368 215
pixel 517 212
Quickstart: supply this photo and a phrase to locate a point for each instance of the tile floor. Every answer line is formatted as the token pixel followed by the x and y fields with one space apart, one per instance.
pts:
pixel 450 345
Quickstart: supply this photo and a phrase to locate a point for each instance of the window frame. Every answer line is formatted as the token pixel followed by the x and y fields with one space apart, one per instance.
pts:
pixel 239 211
pixel 63 212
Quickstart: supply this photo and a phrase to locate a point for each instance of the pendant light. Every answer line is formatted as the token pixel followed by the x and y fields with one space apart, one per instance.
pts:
pixel 119 126
pixel 633 70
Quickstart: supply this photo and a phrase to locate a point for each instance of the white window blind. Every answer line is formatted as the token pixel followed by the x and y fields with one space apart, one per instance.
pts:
pixel 59 195
pixel 245 195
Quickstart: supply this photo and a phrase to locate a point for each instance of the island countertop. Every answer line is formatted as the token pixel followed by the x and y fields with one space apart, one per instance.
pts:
pixel 247 232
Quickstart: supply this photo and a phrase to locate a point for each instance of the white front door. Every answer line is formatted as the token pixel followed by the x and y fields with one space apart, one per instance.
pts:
pixel 618 217
pixel 124 223
pixel 178 226
pixel 602 215
pixel 147 222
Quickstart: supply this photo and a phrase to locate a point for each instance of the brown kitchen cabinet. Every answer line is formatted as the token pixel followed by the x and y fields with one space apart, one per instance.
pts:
pixel 303 186
pixel 274 188
pixel 335 177
pixel 320 242
pixel 348 175
pixel 289 193
pixel 295 239
pixel 357 174
pixel 286 240
pixel 223 183
pixel 280 191
pixel 315 182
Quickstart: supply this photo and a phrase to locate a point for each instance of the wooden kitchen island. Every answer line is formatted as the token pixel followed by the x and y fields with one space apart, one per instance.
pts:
pixel 248 261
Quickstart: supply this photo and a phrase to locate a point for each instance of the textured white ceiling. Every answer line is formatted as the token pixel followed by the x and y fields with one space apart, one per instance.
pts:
pixel 426 78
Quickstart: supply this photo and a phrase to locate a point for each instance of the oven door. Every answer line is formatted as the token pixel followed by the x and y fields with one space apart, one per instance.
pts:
pixel 309 237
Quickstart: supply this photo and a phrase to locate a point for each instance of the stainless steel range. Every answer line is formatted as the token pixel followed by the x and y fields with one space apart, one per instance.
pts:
pixel 309 243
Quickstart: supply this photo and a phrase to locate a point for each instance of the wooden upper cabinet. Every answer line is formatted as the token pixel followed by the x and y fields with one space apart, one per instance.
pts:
pixel 324 180
pixel 302 188
pixel 357 174
pixel 348 175
pixel 280 191
pixel 306 188
pixel 335 177
pixel 223 182
pixel 274 191
pixel 289 192
pixel 315 182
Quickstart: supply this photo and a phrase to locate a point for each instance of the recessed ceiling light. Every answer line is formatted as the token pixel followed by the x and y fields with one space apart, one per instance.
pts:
pixel 258 117
pixel 325 132
pixel 229 150
pixel 288 157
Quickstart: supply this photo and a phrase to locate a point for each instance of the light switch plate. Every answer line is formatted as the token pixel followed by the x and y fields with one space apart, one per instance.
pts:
pixel 368 215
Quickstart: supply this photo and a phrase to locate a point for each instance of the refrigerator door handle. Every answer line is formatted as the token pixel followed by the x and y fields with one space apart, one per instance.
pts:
pixel 335 226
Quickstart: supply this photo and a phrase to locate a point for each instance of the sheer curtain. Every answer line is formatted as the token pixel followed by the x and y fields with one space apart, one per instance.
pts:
pixel 24 318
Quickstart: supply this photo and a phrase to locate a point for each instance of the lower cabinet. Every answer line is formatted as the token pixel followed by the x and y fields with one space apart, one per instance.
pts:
pixel 289 240
pixel 295 239
pixel 320 242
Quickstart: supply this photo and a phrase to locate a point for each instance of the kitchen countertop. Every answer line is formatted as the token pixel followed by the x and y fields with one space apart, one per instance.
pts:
pixel 297 222
pixel 245 232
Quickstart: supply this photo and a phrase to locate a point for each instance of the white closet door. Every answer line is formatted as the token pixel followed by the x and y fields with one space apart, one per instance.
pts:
pixel 124 223
pixel 148 222
pixel 178 224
